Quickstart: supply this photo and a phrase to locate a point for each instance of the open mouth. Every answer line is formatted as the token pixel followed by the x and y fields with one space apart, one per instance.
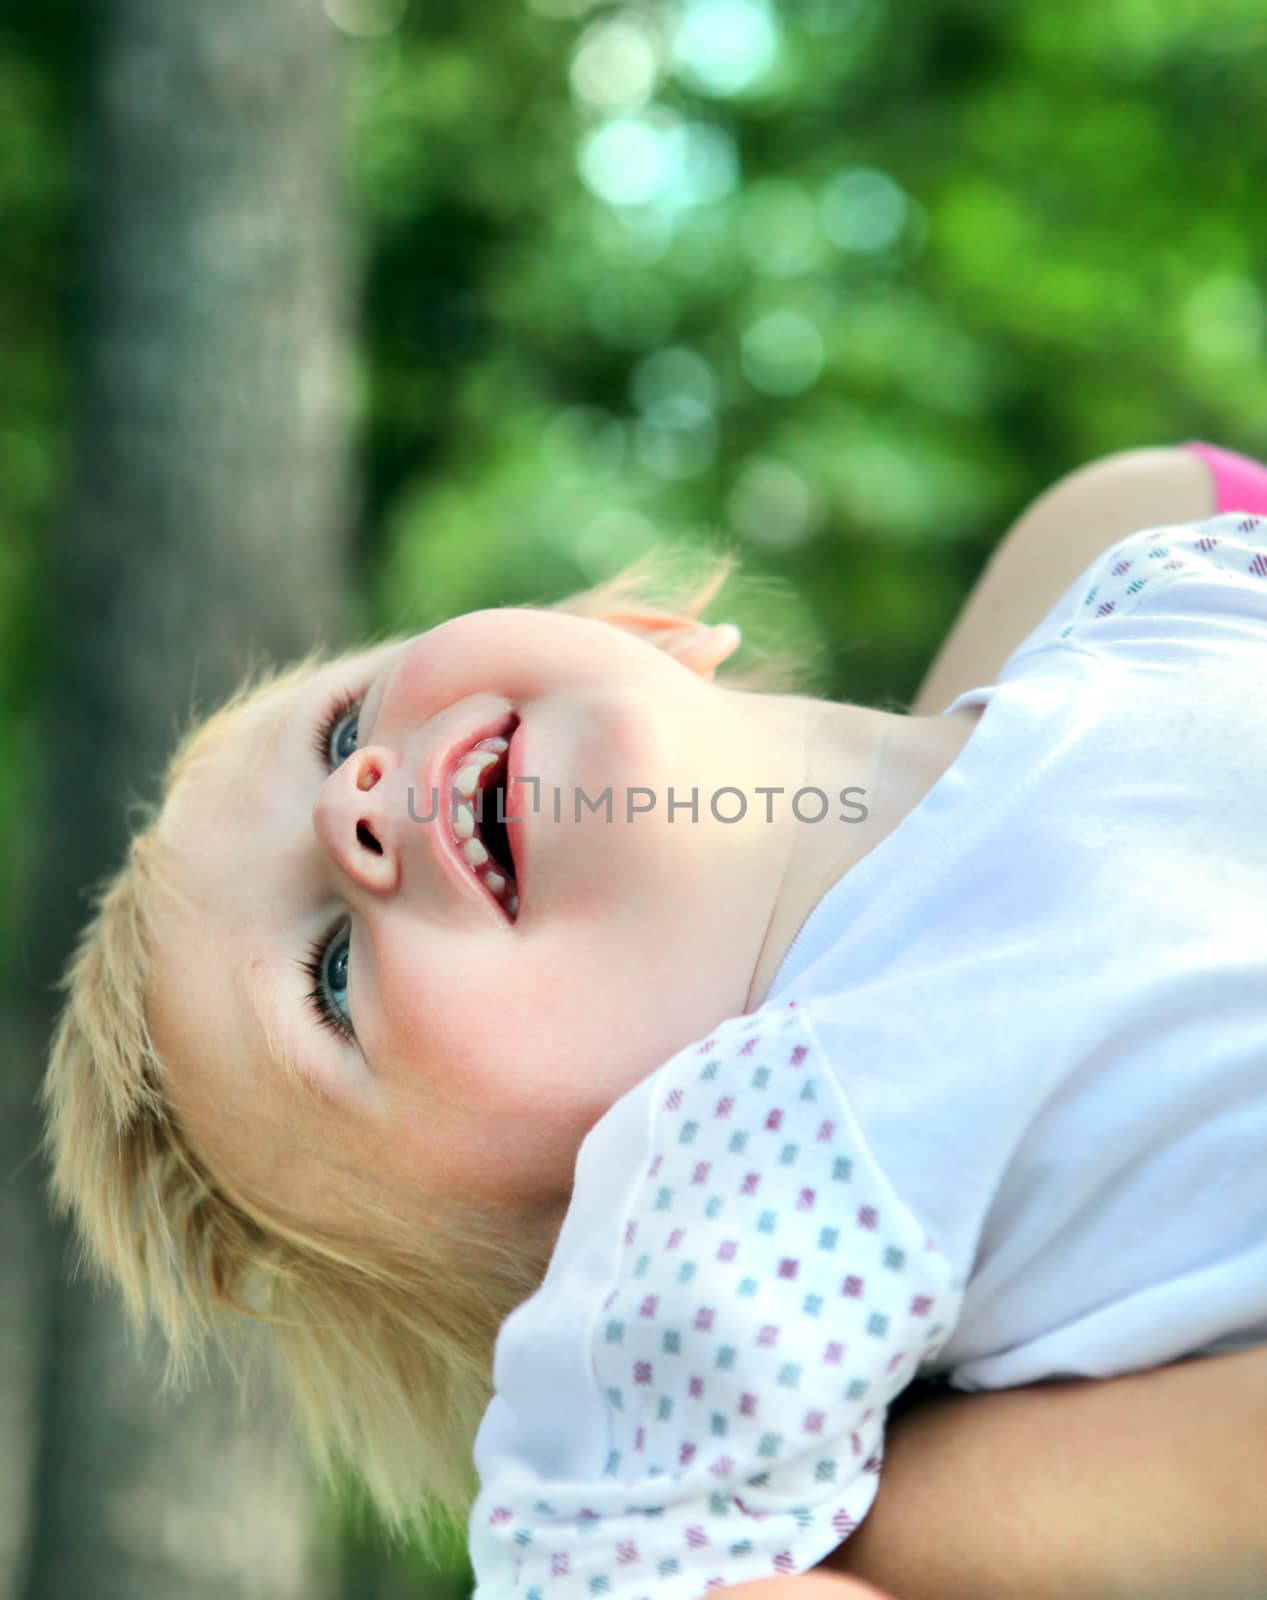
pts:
pixel 477 814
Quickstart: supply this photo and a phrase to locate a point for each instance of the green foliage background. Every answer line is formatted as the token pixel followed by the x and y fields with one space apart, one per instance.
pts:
pixel 1078 270
pixel 940 253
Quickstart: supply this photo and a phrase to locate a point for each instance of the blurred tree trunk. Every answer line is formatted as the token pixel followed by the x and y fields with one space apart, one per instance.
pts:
pixel 209 514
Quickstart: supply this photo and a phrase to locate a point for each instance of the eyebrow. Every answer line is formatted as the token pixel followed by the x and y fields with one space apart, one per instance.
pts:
pixel 298 1069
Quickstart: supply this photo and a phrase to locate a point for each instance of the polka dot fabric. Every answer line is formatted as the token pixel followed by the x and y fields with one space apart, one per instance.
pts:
pixel 1230 549
pixel 768 1296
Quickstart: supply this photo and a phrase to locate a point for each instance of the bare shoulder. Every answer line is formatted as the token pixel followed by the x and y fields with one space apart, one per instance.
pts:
pixel 1057 537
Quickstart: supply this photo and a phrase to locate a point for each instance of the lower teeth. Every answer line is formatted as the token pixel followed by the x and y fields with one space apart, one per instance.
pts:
pixel 500 888
pixel 474 784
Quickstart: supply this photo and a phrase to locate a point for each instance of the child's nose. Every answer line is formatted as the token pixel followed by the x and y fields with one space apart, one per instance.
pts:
pixel 356 821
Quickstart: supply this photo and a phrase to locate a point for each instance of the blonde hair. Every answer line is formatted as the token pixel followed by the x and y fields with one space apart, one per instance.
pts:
pixel 384 1337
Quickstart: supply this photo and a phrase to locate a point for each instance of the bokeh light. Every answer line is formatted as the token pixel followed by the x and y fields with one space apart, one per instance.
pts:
pixel 834 16
pixel 709 164
pixel 671 372
pixel 772 506
pixel 627 161
pixel 863 210
pixel 658 158
pixel 611 540
pixel 779 228
pixel 723 47
pixel 366 19
pixel 1224 321
pixel 584 444
pixel 782 353
pixel 677 437
pixel 563 10
pixel 616 64
pixel 676 393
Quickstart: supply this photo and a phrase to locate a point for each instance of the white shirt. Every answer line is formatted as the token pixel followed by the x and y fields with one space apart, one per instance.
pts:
pixel 1002 1116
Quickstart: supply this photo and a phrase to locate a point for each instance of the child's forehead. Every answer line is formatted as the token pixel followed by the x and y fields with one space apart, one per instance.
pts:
pixel 241 737
pixel 261 712
pixel 274 698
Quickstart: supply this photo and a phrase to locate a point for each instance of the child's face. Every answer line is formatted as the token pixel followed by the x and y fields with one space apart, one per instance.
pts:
pixel 484 1048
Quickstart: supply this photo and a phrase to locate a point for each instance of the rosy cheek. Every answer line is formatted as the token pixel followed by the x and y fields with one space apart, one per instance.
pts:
pixel 434 1004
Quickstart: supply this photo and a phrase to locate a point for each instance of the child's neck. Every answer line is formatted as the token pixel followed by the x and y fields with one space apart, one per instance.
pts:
pixel 896 758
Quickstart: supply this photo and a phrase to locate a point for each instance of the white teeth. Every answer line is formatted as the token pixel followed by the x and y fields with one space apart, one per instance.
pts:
pixel 467 781
pixel 465 790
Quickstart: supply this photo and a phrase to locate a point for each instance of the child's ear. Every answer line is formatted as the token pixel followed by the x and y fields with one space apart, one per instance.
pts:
pixel 706 646
pixel 700 646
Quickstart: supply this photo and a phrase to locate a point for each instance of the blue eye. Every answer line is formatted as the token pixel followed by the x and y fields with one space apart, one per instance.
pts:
pixel 334 738
pixel 327 966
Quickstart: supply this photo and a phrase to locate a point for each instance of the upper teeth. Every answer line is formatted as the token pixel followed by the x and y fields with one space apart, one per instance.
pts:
pixel 465 783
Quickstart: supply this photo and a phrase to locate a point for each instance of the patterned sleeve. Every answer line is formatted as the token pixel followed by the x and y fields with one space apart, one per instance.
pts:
pixel 1215 569
pixel 696 1396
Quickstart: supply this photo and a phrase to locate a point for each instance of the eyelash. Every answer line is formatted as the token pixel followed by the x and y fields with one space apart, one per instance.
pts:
pixel 323 731
pixel 313 965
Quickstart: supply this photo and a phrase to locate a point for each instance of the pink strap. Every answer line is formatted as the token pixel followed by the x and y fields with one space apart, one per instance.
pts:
pixel 1240 482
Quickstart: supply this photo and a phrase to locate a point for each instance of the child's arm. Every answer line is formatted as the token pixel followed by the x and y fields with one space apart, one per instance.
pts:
pixel 1148 1487
pixel 1057 538
pixel 815 1585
